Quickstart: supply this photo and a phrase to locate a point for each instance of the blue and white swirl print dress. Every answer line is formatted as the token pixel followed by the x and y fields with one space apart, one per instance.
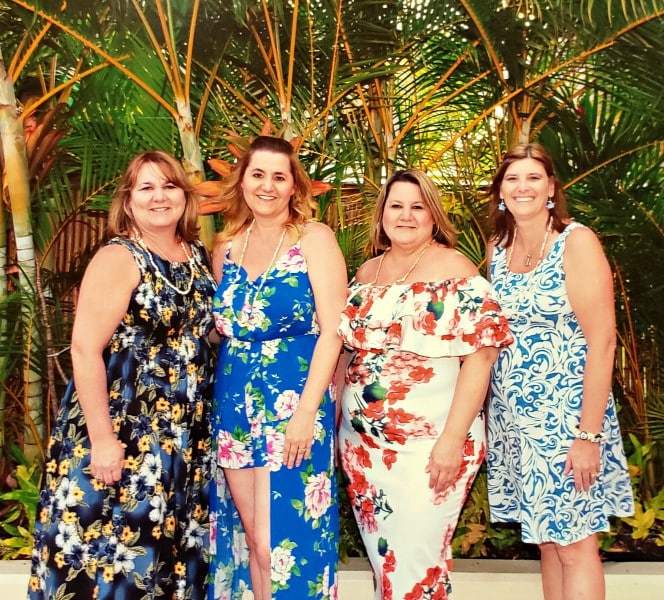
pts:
pixel 535 403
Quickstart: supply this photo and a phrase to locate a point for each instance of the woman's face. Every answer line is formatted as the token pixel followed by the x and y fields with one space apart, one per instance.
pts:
pixel 407 220
pixel 526 187
pixel 268 184
pixel 155 203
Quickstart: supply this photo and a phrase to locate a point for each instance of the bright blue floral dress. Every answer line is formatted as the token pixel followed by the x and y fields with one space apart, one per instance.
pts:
pixel 145 537
pixel 536 393
pixel 269 331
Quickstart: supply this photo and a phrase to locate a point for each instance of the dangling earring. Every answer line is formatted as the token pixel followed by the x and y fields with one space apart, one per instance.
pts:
pixel 550 204
pixel 501 206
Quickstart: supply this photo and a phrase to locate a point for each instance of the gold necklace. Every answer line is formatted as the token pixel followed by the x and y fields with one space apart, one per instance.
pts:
pixel 250 299
pixel 403 278
pixel 157 270
pixel 527 261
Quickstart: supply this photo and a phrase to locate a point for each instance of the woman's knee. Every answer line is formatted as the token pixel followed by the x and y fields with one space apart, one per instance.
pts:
pixel 263 556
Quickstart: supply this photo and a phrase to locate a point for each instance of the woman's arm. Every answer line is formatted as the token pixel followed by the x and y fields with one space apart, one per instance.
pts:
pixel 105 292
pixel 469 395
pixel 327 273
pixel 589 285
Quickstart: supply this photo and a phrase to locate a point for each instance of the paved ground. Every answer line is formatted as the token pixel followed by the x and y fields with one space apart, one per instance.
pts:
pixel 472 580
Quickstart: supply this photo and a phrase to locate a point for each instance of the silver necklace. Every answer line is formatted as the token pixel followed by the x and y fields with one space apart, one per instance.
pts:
pixel 157 270
pixel 249 298
pixel 405 276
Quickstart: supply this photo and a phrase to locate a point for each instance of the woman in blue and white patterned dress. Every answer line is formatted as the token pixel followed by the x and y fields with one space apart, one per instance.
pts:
pixel 555 455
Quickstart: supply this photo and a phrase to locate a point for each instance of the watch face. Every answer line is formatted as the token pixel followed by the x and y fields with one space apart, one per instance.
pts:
pixel 584 435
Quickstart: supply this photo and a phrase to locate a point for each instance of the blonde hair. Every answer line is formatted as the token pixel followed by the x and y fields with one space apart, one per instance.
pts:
pixel 302 207
pixel 443 230
pixel 120 219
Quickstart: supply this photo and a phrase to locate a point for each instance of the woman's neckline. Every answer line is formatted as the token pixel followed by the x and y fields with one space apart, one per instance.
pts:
pixel 268 269
pixel 444 281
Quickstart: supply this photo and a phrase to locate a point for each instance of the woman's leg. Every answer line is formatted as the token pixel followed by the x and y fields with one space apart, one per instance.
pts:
pixel 250 490
pixel 580 574
pixel 552 572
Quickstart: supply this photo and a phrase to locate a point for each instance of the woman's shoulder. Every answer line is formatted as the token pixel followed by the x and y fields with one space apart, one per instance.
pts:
pixel 315 231
pixel 366 273
pixel 448 263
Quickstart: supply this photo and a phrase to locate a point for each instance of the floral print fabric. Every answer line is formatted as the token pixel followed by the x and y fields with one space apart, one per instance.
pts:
pixel 145 537
pixel 408 342
pixel 269 331
pixel 535 404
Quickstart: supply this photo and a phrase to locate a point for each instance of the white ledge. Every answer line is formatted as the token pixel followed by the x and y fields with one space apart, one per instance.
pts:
pixel 471 579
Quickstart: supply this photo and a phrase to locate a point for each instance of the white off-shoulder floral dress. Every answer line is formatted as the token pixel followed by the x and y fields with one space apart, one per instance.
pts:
pixel 407 343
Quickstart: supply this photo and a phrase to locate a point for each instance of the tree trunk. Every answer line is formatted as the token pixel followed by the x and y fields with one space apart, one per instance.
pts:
pixel 16 180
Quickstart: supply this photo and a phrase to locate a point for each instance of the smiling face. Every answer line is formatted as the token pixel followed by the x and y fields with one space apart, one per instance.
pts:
pixel 407 219
pixel 268 184
pixel 526 187
pixel 155 203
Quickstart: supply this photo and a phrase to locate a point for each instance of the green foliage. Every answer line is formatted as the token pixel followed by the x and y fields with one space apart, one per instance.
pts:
pixel 18 510
pixel 648 519
pixel 475 531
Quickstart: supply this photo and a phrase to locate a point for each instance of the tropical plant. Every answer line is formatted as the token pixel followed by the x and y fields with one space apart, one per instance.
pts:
pixel 365 88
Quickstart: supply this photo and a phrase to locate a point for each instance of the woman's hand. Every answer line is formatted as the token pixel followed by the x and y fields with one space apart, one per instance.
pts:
pixel 583 462
pixel 444 464
pixel 299 437
pixel 107 460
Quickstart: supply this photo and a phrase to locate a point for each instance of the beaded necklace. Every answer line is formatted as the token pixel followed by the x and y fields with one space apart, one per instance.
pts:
pixel 190 261
pixel 527 261
pixel 249 298
pixel 404 277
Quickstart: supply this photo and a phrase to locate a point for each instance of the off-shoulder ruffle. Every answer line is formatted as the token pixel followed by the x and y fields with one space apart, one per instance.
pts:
pixel 454 317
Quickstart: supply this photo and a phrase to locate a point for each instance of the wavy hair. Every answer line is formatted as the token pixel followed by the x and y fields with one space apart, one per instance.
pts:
pixel 120 219
pixel 237 215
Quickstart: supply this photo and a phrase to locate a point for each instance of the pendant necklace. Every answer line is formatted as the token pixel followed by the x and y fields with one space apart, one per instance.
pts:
pixel 190 261
pixel 250 298
pixel 528 260
pixel 405 276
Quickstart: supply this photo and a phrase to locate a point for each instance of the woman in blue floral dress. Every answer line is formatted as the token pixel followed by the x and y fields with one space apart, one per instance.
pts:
pixel 556 460
pixel 282 283
pixel 124 505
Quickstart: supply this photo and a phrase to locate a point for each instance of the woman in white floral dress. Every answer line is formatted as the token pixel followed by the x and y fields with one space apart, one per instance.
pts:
pixel 423 330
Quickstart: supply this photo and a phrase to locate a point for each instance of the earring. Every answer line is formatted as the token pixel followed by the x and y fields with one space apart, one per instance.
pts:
pixel 501 206
pixel 550 204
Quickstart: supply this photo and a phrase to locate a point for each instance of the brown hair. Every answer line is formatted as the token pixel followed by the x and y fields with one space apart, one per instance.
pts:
pixel 501 220
pixel 301 206
pixel 120 219
pixel 443 230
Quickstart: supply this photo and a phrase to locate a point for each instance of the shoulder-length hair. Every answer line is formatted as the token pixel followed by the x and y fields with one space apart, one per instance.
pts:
pixel 237 215
pixel 443 231
pixel 501 220
pixel 120 219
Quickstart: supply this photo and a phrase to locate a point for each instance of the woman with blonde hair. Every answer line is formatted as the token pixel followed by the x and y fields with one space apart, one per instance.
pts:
pixel 282 282
pixel 423 331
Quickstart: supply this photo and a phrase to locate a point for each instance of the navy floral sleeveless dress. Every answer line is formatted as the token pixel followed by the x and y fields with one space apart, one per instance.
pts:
pixel 146 536
pixel 270 330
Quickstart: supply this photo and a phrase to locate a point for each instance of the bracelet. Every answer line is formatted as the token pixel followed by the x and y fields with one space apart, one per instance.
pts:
pixel 596 438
